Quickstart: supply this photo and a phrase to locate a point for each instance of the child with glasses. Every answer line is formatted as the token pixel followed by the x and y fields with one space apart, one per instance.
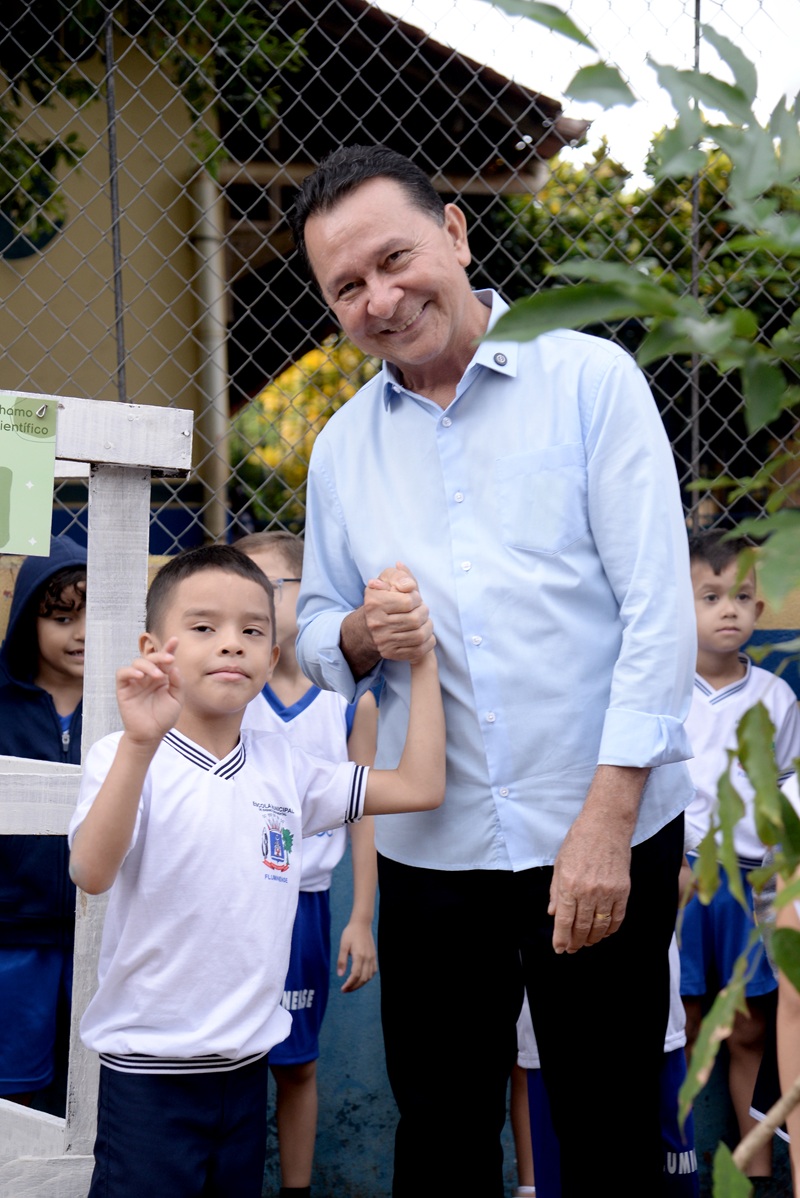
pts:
pixel 324 724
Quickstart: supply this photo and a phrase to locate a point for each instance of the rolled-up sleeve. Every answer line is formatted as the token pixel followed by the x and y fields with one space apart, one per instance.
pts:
pixel 638 526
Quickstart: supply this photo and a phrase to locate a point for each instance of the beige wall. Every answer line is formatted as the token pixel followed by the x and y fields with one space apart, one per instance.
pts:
pixel 57 307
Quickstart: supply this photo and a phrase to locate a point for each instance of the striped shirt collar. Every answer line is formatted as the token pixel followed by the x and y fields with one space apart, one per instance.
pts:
pixel 226 768
pixel 725 692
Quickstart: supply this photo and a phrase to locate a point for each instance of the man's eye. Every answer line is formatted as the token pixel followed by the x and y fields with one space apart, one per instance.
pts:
pixel 346 290
pixel 253 632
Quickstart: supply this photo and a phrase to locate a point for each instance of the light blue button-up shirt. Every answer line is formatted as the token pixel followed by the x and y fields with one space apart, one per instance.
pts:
pixel 541 516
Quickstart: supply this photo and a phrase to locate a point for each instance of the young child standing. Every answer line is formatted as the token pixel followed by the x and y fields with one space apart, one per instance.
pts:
pixel 324 724
pixel 196 825
pixel 727 684
pixel 41 692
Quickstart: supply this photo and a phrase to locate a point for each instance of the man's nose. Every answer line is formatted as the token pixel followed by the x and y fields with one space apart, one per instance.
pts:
pixel 383 298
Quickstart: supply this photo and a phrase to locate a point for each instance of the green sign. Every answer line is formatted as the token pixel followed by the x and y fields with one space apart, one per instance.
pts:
pixel 27 472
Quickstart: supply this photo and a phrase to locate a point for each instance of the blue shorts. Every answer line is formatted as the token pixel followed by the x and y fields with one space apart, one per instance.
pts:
pixel 305 992
pixel 711 939
pixel 35 991
pixel 181 1134
pixel 681 1178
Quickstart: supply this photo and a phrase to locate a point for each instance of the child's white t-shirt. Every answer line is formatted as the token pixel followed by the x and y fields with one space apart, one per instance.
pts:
pixel 711 726
pixel 197 935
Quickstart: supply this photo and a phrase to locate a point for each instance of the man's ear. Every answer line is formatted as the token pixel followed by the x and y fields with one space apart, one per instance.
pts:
pixel 148 644
pixel 455 223
pixel 759 608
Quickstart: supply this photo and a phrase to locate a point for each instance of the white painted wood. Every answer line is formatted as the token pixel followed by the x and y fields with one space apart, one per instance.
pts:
pixel 92 430
pixel 41 1155
pixel 25 1131
pixel 71 469
pixel 56 1177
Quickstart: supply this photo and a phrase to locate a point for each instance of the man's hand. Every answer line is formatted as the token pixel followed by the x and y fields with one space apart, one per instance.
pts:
pixel 591 877
pixel 393 623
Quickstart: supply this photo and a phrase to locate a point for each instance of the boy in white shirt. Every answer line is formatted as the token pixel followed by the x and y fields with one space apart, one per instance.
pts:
pixel 196 826
pixel 727 684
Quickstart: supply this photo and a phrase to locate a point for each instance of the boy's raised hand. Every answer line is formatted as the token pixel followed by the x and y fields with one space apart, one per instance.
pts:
pixel 150 694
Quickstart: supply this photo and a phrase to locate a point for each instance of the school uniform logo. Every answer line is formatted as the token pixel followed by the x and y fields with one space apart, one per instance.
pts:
pixel 276 847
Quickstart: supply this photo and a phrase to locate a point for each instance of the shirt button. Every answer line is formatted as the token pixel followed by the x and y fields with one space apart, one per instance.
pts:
pixel 446 421
pixel 466 566
pixel 500 359
pixel 476 640
pixel 490 717
pixel 459 497
pixel 504 792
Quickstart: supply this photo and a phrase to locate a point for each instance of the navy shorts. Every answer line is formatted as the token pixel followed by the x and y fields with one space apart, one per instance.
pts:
pixel 35 991
pixel 305 993
pixel 711 939
pixel 188 1135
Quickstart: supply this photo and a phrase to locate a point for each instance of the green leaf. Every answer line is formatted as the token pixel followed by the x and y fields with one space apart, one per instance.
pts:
pixel 708 337
pixel 790 840
pixel 728 1181
pixel 685 87
pixel 786 951
pixel 565 307
pixel 601 84
pixel 730 809
pixel 764 388
pixel 547 15
pixel 678 157
pixel 706 869
pixel 756 166
pixel 715 1028
pixel 783 125
pixel 744 72
pixel 755 736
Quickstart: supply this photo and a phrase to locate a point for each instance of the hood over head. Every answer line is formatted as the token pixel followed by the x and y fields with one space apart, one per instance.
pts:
pixel 18 656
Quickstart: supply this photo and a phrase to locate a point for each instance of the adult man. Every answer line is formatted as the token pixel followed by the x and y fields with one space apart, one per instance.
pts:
pixel 532 492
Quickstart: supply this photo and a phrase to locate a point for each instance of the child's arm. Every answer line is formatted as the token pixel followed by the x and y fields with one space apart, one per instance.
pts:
pixel 357 941
pixel 418 782
pixel 150 701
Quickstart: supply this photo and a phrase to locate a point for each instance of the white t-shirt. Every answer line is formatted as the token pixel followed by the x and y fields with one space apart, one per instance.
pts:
pixel 317 723
pixel 711 725
pixel 197 935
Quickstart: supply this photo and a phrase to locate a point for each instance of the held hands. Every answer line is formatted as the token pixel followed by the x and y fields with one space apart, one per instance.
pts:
pixel 396 618
pixel 358 944
pixel 150 695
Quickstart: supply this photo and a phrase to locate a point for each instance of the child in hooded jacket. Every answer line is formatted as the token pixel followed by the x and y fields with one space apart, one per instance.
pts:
pixel 41 693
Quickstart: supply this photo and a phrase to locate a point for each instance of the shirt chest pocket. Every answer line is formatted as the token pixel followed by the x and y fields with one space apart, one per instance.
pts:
pixel 541 498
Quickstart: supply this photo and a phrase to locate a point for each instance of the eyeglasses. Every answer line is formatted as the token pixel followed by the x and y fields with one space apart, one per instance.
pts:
pixel 277 586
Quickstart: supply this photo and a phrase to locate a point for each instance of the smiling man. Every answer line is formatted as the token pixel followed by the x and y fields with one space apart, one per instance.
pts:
pixel 531 490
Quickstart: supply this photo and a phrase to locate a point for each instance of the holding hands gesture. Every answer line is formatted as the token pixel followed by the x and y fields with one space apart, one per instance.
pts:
pixel 150 695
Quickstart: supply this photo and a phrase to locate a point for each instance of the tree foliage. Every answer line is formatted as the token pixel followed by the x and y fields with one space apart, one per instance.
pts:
pixel 273 436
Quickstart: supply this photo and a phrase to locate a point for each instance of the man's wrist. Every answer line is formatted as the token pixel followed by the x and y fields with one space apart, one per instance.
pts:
pixel 357 645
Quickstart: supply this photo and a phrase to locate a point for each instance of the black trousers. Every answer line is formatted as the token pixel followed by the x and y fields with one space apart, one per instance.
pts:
pixel 456 949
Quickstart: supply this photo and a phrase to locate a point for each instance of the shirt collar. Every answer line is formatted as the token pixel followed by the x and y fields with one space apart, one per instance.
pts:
pixel 499 356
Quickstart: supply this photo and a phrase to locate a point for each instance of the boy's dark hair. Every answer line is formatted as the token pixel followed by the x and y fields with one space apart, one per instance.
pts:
pixel 55 595
pixel 195 561
pixel 288 544
pixel 347 168
pixel 716 548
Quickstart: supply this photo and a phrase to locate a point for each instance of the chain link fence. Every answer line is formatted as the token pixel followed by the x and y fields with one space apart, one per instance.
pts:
pixel 150 153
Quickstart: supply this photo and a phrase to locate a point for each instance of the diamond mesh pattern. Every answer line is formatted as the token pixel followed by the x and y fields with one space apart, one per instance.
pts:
pixel 220 106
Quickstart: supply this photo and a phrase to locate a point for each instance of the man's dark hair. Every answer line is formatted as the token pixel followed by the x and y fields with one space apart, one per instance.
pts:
pixel 194 561
pixel 715 550
pixel 347 168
